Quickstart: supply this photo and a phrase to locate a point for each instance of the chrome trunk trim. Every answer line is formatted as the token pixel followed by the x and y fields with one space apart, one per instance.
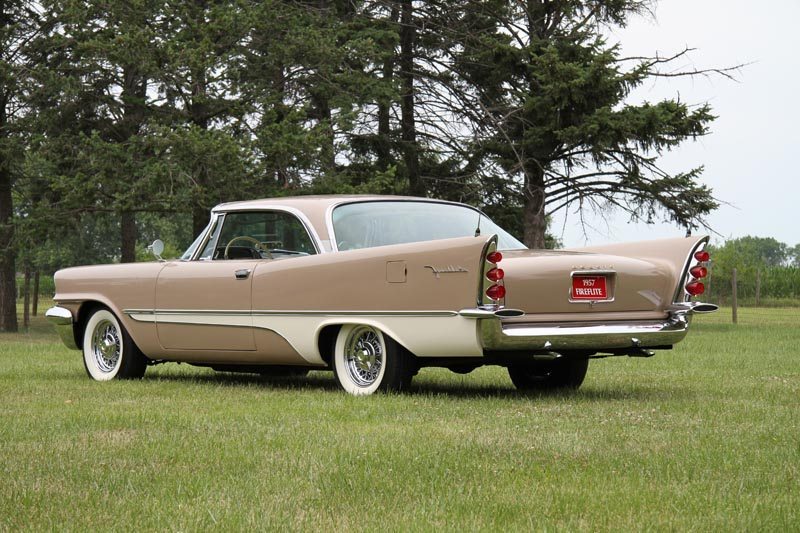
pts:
pixel 61 318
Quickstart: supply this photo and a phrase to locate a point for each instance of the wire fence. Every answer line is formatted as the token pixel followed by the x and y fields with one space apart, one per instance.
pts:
pixel 788 317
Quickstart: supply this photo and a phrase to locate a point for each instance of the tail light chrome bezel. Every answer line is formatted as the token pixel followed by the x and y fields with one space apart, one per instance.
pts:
pixel 484 283
pixel 692 263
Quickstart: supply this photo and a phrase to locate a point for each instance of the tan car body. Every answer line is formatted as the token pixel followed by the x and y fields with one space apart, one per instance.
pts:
pixel 428 296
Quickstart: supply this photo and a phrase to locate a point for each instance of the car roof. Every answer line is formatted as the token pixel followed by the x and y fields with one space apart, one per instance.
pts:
pixel 313 202
pixel 314 208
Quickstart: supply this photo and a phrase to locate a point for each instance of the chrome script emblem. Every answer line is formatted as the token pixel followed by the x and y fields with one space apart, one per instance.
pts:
pixel 449 269
pixel 593 267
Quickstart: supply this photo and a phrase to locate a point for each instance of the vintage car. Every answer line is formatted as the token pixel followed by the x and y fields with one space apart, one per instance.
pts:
pixel 375 288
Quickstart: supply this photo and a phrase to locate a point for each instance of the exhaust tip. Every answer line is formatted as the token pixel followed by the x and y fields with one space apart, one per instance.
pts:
pixel 508 313
pixel 705 308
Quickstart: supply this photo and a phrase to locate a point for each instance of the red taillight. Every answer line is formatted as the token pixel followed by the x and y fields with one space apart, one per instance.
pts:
pixel 695 287
pixel 495 274
pixel 702 256
pixel 699 272
pixel 494 257
pixel 496 292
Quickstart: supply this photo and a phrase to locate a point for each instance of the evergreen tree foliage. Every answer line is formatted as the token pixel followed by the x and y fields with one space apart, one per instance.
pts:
pixel 120 120
pixel 547 95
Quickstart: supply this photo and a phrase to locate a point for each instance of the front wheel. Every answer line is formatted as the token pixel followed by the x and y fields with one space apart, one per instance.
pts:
pixel 365 361
pixel 558 374
pixel 108 350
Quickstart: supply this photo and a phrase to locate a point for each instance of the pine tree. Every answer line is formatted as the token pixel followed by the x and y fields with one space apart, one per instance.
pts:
pixel 545 93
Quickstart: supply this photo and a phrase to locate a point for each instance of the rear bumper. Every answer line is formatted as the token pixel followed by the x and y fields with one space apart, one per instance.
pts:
pixel 61 318
pixel 499 336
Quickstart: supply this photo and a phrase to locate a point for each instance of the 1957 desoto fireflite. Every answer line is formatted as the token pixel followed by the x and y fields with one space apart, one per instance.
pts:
pixel 374 288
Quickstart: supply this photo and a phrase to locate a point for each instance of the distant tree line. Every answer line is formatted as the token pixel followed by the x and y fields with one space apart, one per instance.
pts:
pixel 123 120
pixel 765 269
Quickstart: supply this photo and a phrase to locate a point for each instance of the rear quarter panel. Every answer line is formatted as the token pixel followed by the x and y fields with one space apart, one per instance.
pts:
pixel 393 278
pixel 670 254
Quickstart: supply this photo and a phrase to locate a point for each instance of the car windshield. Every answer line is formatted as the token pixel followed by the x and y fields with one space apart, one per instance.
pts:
pixel 379 223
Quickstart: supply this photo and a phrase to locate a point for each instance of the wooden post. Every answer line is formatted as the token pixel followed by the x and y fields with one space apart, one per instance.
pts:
pixel 35 309
pixel 758 287
pixel 734 302
pixel 708 284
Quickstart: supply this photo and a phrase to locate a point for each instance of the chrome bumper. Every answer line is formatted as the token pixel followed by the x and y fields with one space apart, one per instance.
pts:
pixel 498 335
pixel 62 319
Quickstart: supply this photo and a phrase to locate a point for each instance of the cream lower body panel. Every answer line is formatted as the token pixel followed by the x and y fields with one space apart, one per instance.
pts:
pixel 435 334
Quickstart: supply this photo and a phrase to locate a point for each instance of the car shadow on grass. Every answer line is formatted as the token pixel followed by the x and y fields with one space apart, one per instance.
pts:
pixel 324 381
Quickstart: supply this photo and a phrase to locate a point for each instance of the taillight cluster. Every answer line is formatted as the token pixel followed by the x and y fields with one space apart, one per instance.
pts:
pixel 496 291
pixel 695 287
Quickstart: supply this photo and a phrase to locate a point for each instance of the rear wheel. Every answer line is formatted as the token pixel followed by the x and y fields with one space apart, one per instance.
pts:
pixel 108 350
pixel 365 361
pixel 561 373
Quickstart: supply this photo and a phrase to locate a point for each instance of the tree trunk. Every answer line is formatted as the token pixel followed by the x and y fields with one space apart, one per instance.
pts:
pixel 129 235
pixel 407 121
pixel 384 144
pixel 134 93
pixel 8 279
pixel 35 308
pixel 533 215
pixel 26 306
pixel 200 217
pixel 199 117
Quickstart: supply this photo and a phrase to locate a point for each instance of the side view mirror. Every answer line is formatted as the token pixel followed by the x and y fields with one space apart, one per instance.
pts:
pixel 157 248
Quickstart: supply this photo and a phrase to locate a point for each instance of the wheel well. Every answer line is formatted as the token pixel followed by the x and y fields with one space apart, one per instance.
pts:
pixel 84 312
pixel 327 341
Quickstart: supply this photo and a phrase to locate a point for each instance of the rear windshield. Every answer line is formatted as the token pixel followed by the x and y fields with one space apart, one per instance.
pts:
pixel 369 224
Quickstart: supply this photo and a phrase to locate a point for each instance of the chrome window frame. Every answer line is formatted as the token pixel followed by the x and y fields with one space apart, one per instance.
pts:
pixel 207 233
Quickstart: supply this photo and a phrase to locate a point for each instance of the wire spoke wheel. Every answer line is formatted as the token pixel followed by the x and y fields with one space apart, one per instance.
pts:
pixel 108 350
pixel 106 346
pixel 366 360
pixel 364 356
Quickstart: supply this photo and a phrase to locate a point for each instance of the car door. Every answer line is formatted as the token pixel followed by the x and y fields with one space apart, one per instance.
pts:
pixel 205 305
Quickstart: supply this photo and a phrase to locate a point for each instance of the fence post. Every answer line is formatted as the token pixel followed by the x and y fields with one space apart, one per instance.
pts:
pixel 734 302
pixel 758 287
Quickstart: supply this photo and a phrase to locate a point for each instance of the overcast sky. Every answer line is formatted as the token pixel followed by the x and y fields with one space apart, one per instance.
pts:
pixel 750 155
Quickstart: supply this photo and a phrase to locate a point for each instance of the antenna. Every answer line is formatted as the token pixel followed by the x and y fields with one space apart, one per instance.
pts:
pixel 478 229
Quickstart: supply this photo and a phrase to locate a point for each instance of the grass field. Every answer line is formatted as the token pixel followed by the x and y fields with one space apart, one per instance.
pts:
pixel 705 437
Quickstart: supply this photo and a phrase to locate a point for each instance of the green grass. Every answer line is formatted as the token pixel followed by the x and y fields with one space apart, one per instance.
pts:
pixel 705 437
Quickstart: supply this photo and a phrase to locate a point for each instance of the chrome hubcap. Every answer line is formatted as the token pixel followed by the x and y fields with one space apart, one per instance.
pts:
pixel 106 346
pixel 363 356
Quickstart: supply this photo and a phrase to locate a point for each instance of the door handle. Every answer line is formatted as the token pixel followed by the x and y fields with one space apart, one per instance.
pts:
pixel 243 273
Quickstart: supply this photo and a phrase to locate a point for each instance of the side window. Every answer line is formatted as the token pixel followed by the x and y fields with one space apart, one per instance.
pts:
pixel 261 235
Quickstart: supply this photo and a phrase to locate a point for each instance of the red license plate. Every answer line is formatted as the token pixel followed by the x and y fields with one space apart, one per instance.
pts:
pixel 589 288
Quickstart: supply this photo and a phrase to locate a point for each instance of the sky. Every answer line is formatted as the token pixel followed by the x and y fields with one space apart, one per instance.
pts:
pixel 750 156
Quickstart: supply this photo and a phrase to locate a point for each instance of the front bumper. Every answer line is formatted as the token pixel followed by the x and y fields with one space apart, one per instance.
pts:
pixel 61 318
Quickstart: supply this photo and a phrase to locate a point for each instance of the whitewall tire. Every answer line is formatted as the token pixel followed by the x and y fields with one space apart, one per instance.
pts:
pixel 108 351
pixel 366 361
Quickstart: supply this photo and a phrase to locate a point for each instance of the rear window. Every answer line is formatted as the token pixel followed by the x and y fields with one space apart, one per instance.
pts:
pixel 380 223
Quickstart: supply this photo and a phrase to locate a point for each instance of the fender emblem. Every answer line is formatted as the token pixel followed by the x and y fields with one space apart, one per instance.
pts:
pixel 449 269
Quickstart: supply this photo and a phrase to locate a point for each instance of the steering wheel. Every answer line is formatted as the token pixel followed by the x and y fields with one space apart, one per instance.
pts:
pixel 255 242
